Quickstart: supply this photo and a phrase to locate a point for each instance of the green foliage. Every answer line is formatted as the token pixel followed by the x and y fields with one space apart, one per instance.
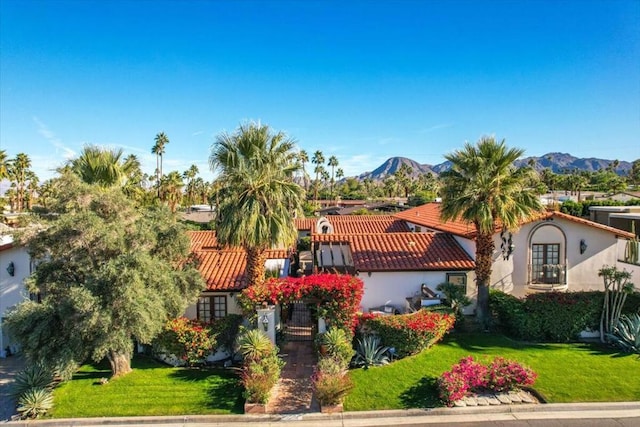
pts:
pixel 109 273
pixel 550 317
pixel 331 388
pixel 370 352
pixel 338 345
pixel 189 340
pixel 304 244
pixel 626 334
pixel 617 286
pixel 35 402
pixel 456 297
pixel 33 376
pixel 255 345
pixel 262 366
pixel 226 330
pixel 411 333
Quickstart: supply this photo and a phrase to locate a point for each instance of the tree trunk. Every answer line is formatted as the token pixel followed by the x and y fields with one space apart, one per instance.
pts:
pixel 484 260
pixel 120 363
pixel 256 258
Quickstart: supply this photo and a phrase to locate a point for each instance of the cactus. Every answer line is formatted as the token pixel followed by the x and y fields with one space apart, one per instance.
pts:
pixel 631 250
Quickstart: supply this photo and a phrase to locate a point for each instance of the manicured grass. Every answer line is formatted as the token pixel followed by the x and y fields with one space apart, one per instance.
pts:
pixel 566 372
pixel 151 389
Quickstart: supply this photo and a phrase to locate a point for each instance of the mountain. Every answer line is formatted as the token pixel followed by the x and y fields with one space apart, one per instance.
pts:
pixel 557 162
pixel 392 165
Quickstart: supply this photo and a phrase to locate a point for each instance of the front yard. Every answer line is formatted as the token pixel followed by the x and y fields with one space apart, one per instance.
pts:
pixel 151 389
pixel 566 372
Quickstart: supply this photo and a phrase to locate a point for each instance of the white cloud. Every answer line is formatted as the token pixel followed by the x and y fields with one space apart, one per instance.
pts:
pixel 436 127
pixel 50 136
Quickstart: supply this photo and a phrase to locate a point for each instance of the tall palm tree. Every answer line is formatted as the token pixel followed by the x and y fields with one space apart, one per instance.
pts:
pixel 303 158
pixel 333 162
pixel 190 175
pixel 259 197
pixel 485 189
pixel 161 141
pixel 101 166
pixel 171 185
pixel 318 160
pixel 19 170
pixel 4 165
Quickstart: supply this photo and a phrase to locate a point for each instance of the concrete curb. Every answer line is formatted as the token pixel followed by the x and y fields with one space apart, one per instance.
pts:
pixel 487 413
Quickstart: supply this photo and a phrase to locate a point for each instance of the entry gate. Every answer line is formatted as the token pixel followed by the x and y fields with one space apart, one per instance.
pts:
pixel 299 323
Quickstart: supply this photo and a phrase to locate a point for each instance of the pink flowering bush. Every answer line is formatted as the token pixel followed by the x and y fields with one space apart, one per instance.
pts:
pixel 470 376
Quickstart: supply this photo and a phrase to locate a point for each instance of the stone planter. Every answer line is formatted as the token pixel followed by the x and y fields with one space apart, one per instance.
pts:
pixel 331 409
pixel 255 408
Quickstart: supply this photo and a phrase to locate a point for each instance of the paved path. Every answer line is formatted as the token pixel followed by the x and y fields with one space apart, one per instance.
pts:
pixel 293 394
pixel 9 366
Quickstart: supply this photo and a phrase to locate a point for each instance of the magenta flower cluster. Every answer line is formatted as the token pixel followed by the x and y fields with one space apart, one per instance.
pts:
pixel 469 376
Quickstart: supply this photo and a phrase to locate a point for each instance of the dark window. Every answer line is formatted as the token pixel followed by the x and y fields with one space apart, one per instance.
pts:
pixel 211 308
pixel 545 263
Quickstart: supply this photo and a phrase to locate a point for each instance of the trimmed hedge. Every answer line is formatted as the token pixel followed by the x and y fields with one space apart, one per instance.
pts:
pixel 553 316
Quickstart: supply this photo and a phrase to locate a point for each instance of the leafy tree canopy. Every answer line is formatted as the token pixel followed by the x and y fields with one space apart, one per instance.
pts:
pixel 107 274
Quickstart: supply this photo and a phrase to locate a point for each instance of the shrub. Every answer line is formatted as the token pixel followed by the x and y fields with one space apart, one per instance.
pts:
pixel 32 377
pixel 190 340
pixel 258 378
pixel 330 382
pixel 370 352
pixel 411 333
pixel 338 345
pixel 468 375
pixel 254 345
pixel 225 330
pixel 35 402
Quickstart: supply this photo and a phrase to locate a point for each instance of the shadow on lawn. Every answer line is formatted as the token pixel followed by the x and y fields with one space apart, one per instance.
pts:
pixel 422 395
pixel 480 342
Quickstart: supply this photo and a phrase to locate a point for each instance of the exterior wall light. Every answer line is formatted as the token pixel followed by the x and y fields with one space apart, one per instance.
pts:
pixel 11 269
pixel 583 246
pixel 265 322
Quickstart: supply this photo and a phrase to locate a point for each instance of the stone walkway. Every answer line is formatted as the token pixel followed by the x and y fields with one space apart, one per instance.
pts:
pixel 293 393
pixel 490 399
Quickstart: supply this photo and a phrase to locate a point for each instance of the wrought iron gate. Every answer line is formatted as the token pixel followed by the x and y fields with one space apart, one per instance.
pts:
pixel 299 323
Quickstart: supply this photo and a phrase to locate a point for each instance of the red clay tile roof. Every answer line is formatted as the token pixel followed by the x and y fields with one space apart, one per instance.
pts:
pixel 429 216
pixel 403 251
pixel 223 269
pixel 357 224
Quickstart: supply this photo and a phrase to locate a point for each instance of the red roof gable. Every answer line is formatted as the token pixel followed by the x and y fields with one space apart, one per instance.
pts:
pixel 223 269
pixel 357 224
pixel 429 216
pixel 403 251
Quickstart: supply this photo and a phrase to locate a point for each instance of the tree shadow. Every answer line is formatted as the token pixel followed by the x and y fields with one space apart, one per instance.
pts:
pixel 480 342
pixel 424 394
pixel 224 389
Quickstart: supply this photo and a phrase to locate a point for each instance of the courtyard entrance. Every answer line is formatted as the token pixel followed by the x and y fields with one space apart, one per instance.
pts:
pixel 299 323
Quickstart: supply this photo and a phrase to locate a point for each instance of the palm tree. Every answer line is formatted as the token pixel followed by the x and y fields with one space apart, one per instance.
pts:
pixel 4 165
pixel 485 189
pixel 318 160
pixel 100 166
pixel 19 170
pixel 258 197
pixel 171 185
pixel 190 175
pixel 161 140
pixel 303 158
pixel 333 162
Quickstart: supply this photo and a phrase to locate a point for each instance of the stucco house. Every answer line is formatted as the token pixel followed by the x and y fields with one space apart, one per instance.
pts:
pixel 554 252
pixel 15 267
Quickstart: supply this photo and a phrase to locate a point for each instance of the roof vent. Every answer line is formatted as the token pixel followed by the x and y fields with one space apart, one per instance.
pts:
pixel 412 243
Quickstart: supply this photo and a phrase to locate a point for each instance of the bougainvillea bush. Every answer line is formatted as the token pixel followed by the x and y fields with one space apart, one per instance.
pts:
pixel 410 333
pixel 338 295
pixel 468 376
pixel 189 340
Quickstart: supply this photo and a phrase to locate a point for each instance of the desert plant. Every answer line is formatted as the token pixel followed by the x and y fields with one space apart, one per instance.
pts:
pixel 626 334
pixel 338 345
pixel 259 376
pixel 456 297
pixel 33 376
pixel 370 352
pixel 617 285
pixel 35 402
pixel 254 345
pixel 330 387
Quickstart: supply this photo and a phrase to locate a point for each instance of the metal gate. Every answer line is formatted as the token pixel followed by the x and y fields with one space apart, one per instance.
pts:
pixel 299 323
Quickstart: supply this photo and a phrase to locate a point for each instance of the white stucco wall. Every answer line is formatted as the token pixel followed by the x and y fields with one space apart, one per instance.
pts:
pixel 232 304
pixel 394 287
pixel 12 290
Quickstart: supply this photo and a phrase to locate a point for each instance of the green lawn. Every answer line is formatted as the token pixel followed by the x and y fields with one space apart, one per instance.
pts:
pixel 566 372
pixel 151 389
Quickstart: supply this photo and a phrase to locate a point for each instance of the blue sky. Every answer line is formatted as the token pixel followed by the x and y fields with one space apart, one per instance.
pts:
pixel 361 80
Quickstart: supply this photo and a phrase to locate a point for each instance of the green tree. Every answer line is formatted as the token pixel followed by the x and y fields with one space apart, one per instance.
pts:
pixel 100 166
pixel 634 173
pixel 303 158
pixel 171 189
pixel 4 165
pixel 404 178
pixel 108 273
pixel 318 160
pixel 19 173
pixel 161 140
pixel 485 189
pixel 258 196
pixel 190 175
pixel 332 163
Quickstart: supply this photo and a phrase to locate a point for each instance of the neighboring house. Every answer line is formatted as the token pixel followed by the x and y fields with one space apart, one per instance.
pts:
pixel 223 270
pixel 15 267
pixel 624 218
pixel 556 251
pixel 625 196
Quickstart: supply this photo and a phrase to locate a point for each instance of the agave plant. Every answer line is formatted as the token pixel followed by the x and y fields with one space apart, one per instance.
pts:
pixel 626 334
pixel 370 352
pixel 35 402
pixel 254 345
pixel 33 376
